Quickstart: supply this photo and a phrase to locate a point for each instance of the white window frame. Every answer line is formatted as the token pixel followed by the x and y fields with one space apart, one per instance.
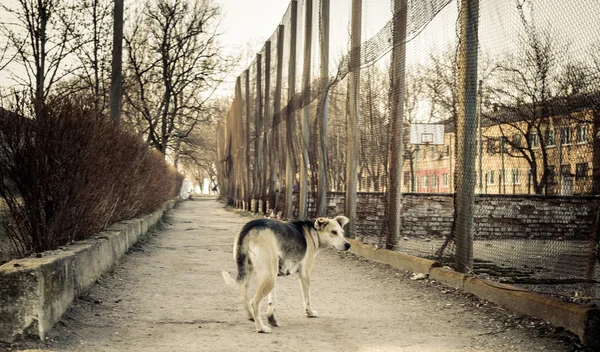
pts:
pixel 563 134
pixel 550 132
pixel 424 183
pixel 582 137
pixel 534 140
pixel 516 176
pixel 445 180
pixel 433 180
pixel 490 178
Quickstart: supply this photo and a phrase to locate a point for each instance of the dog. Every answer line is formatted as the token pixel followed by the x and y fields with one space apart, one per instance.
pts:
pixel 267 248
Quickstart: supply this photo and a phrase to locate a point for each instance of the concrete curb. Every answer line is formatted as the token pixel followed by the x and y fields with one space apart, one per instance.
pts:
pixel 580 319
pixel 35 292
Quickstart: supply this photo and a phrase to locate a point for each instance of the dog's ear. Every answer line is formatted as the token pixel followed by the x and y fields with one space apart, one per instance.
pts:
pixel 321 223
pixel 342 220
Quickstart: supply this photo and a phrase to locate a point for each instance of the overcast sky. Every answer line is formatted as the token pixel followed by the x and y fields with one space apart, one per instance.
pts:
pixel 246 24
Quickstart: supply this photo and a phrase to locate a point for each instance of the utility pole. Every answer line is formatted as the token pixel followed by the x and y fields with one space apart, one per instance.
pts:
pixel 466 134
pixel 117 64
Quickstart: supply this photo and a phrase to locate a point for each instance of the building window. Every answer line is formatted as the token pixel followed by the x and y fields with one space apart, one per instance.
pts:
pixel 551 172
pixel 444 180
pixel 433 181
pixel 582 133
pixel 490 178
pixel 516 141
pixel 582 170
pixel 503 143
pixel 533 140
pixel 406 178
pixel 550 138
pixel 516 176
pixel 491 146
pixel 565 170
pixel 565 136
pixel 446 153
pixel 424 183
pixel 503 178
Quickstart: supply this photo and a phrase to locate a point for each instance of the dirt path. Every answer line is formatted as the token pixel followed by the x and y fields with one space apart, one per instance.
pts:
pixel 168 295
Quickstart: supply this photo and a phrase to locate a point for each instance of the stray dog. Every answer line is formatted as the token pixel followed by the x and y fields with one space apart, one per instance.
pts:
pixel 267 248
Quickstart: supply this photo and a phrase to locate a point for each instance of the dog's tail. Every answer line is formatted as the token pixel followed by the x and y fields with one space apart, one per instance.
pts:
pixel 242 265
pixel 229 280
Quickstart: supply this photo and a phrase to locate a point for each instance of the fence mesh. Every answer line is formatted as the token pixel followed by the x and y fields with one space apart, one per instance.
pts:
pixel 462 131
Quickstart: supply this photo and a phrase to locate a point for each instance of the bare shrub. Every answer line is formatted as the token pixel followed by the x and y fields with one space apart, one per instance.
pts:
pixel 69 172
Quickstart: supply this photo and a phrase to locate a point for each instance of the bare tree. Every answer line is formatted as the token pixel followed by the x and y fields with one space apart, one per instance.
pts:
pixel 414 92
pixel 92 48
pixel 41 34
pixel 197 154
pixel 6 57
pixel 529 95
pixel 174 65
pixel 373 127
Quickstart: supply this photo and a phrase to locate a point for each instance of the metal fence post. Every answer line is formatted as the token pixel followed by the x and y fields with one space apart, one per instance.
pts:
pixel 466 134
pixel 276 165
pixel 257 134
pixel 289 165
pixel 323 107
pixel 354 104
pixel 248 173
pixel 394 209
pixel 266 175
pixel 303 206
pixel 240 115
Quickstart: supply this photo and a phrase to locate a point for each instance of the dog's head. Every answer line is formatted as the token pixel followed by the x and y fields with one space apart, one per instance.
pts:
pixel 331 232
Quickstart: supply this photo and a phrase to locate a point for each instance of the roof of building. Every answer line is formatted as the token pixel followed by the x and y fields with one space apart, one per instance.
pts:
pixel 561 106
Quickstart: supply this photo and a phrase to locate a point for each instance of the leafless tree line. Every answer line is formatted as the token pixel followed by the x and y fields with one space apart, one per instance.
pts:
pixel 171 66
pixel 525 92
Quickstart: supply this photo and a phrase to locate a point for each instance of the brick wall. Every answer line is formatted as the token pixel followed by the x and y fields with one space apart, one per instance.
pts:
pixel 496 216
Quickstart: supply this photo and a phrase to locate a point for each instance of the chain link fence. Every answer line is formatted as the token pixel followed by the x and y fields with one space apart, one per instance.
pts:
pixel 462 131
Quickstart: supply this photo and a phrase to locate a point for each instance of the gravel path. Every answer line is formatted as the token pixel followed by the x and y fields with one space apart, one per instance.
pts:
pixel 167 294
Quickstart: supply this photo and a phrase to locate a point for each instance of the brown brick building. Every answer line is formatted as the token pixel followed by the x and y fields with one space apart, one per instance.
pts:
pixel 558 154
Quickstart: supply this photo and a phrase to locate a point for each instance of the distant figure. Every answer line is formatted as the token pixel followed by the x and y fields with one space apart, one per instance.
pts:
pixel 185 190
pixel 215 189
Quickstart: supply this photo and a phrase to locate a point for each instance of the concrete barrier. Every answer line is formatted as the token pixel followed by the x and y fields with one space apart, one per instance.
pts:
pixel 396 259
pixel 35 292
pixel 580 319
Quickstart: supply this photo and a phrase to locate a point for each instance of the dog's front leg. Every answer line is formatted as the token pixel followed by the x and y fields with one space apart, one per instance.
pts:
pixel 305 287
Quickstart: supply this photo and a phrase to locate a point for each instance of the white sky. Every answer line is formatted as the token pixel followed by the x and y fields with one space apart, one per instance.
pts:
pixel 246 24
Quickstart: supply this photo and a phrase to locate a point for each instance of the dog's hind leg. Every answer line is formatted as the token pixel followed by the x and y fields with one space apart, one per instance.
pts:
pixel 271 309
pixel 264 288
pixel 245 300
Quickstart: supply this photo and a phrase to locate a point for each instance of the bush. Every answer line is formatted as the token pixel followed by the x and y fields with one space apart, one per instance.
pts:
pixel 70 172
